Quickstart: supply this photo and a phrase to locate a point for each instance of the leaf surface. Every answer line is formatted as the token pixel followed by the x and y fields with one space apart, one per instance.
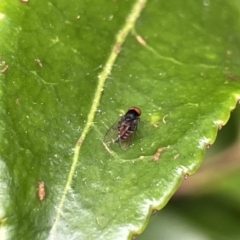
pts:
pixel 72 69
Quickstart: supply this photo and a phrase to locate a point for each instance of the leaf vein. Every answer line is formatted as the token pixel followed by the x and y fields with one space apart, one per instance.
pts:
pixel 102 77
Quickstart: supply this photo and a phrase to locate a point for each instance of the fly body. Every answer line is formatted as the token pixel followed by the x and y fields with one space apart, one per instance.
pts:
pixel 123 130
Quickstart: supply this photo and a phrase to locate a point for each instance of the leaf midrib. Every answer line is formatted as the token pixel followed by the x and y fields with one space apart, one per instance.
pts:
pixel 129 24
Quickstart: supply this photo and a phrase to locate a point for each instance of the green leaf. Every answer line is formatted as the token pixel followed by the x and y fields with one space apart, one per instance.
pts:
pixel 206 206
pixel 205 217
pixel 68 69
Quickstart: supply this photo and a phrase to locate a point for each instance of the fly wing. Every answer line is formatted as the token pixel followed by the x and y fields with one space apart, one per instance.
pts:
pixel 121 131
pixel 111 135
pixel 124 144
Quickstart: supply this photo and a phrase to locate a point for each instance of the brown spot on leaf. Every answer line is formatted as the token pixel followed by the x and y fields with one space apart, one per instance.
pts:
pixel 158 153
pixel 41 190
pixel 117 48
pixel 141 40
pixel 186 175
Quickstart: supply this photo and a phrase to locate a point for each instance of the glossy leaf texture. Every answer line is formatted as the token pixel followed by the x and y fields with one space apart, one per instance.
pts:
pixel 69 69
pixel 206 205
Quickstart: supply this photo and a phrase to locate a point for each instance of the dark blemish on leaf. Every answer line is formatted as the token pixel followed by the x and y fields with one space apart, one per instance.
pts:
pixel 208 145
pixel 41 190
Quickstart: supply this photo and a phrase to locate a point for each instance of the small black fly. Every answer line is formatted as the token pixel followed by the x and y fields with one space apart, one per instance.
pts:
pixel 123 130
